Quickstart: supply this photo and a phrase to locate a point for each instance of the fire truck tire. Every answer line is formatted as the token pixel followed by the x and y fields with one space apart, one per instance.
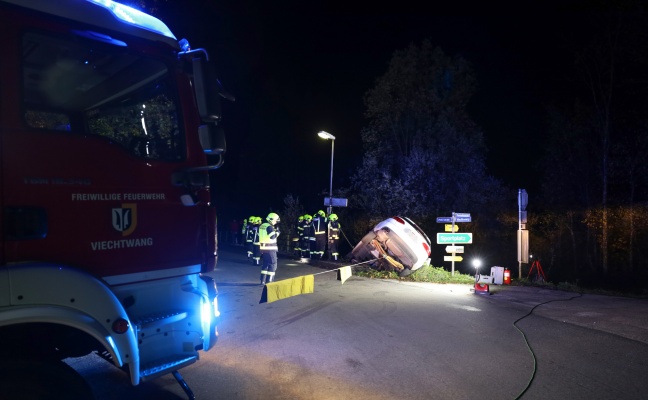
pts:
pixel 43 380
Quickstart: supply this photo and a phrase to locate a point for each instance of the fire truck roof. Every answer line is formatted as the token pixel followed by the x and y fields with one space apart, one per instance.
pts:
pixel 106 14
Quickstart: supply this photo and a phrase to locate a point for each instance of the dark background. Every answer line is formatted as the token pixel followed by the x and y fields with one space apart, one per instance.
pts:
pixel 296 68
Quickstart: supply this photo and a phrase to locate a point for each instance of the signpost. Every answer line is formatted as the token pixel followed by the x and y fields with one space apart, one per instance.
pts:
pixel 454 249
pixel 462 217
pixel 522 234
pixel 335 202
pixel 451 228
pixel 452 258
pixel 452 238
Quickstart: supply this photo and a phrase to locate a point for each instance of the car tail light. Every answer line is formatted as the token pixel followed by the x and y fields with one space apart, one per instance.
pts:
pixel 427 248
pixel 399 219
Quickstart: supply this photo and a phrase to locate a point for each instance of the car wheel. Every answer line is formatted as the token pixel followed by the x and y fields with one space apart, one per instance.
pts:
pixel 405 272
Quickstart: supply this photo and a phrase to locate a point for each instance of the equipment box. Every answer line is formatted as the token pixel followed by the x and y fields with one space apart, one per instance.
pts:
pixel 497 274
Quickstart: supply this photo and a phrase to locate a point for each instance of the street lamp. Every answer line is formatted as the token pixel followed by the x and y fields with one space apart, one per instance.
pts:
pixel 476 263
pixel 327 136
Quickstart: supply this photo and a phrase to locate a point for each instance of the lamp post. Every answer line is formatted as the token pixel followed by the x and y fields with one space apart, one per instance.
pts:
pixel 476 263
pixel 328 136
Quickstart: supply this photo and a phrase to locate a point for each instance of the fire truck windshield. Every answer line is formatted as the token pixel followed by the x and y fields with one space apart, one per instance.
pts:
pixel 93 88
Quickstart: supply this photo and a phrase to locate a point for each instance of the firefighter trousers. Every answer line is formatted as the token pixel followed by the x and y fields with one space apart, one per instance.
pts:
pixel 269 268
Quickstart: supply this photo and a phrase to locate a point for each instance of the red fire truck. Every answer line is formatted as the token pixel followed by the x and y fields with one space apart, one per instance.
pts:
pixel 109 128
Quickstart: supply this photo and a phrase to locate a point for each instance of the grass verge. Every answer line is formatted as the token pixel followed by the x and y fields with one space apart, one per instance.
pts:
pixel 426 273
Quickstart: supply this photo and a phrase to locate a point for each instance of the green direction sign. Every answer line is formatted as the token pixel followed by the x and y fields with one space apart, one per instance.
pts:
pixel 452 238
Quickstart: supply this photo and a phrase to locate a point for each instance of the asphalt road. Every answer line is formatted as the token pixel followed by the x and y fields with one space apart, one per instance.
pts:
pixel 384 339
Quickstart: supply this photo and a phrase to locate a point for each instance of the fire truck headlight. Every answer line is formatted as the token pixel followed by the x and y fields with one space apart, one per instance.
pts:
pixel 205 313
pixel 216 310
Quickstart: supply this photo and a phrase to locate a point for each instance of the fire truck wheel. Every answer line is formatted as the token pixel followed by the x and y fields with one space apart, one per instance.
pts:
pixel 45 380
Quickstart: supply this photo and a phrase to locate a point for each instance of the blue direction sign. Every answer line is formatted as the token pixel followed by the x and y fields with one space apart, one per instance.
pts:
pixel 458 217
pixel 452 238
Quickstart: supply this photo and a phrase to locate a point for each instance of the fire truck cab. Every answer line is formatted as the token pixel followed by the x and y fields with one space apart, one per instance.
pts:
pixel 109 128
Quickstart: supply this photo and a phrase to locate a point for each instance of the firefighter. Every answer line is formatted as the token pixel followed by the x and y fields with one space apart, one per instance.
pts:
pixel 307 237
pixel 268 234
pixel 319 224
pixel 333 236
pixel 249 237
pixel 299 232
pixel 256 246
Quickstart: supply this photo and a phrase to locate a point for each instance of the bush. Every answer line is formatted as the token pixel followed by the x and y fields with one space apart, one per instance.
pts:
pixel 426 273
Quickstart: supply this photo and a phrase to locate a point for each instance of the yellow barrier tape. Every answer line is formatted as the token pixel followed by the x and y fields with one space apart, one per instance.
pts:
pixel 305 284
pixel 283 289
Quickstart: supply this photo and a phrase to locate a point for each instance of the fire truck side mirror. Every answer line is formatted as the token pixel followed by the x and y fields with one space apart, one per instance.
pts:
pixel 212 139
pixel 208 91
pixel 207 98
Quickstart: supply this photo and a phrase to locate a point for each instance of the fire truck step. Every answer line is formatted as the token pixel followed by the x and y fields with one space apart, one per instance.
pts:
pixel 165 366
pixel 152 321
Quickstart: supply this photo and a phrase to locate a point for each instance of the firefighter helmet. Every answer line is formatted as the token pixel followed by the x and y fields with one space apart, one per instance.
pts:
pixel 273 218
pixel 308 217
pixel 333 217
pixel 321 212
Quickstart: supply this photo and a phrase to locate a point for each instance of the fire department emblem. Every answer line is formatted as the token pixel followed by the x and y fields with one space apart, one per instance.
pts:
pixel 124 219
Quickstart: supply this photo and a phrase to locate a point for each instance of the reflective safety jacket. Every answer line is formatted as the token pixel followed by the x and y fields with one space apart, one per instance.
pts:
pixel 268 237
pixel 249 232
pixel 308 230
pixel 299 227
pixel 255 235
pixel 319 223
pixel 334 229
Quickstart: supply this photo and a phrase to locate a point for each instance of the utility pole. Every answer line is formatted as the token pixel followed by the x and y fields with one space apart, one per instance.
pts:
pixel 523 233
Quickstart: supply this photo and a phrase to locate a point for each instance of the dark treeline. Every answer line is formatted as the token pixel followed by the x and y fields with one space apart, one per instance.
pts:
pixel 591 223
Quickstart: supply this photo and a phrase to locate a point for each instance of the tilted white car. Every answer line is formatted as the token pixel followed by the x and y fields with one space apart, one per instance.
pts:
pixel 397 244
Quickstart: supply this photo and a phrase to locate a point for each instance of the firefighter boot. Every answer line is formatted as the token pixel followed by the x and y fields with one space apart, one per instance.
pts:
pixel 263 279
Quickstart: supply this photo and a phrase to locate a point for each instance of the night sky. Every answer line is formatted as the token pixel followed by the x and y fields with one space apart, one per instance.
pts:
pixel 296 68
